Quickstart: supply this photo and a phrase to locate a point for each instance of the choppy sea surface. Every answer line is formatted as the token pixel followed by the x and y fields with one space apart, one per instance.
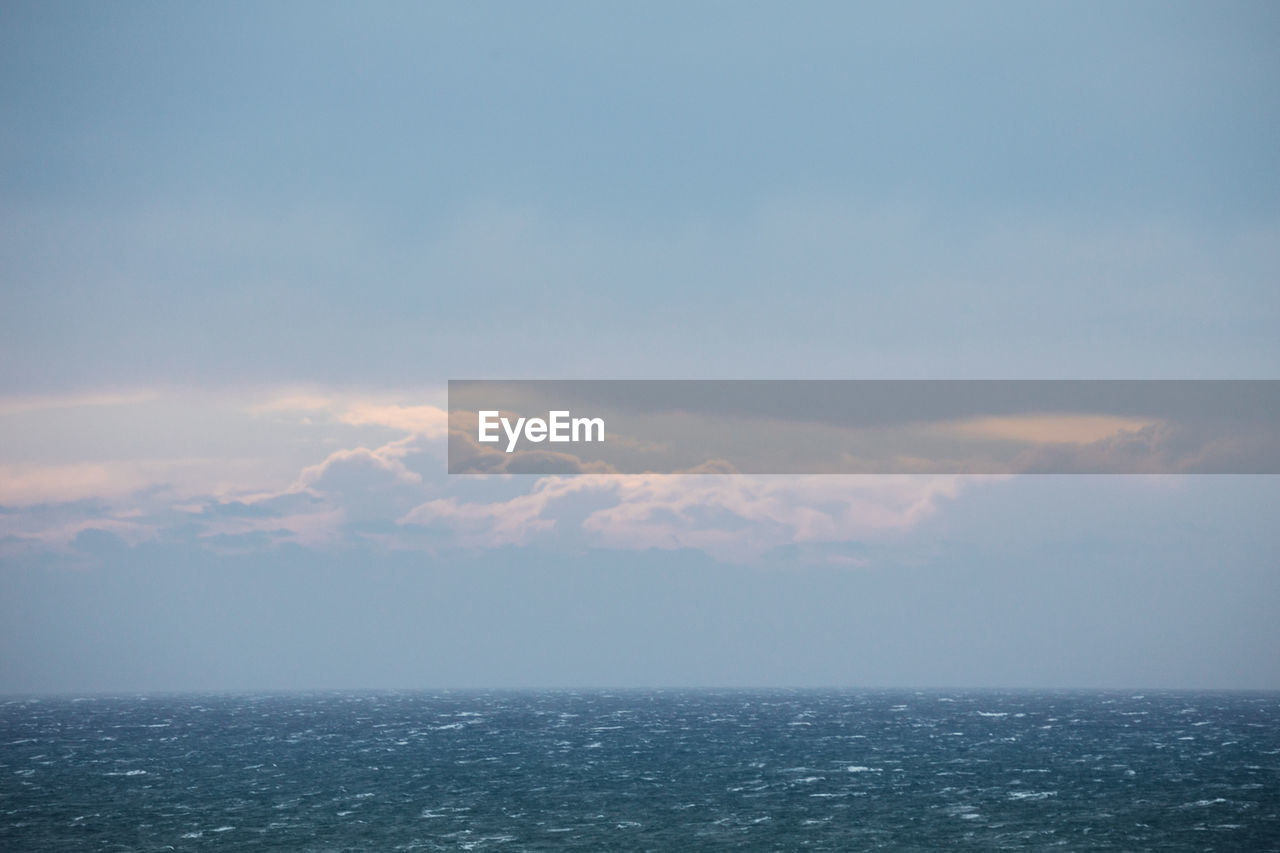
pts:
pixel 643 770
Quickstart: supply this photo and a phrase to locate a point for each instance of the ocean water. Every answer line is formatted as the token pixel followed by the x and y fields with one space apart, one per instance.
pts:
pixel 643 770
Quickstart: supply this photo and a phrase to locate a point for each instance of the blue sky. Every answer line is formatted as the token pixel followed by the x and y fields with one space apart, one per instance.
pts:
pixel 244 247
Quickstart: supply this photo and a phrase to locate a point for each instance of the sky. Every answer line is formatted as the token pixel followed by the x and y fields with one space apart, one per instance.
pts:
pixel 244 246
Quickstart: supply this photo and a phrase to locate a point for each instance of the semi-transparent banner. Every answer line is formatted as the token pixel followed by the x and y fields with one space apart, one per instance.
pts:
pixel 864 426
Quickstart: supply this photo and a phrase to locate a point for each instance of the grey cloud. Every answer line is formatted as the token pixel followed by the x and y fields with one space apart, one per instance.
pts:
pixel 1160 449
pixel 882 427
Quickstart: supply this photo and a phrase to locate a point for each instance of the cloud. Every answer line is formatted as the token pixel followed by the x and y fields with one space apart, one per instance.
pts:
pixel 24 485
pixel 484 525
pixel 866 427
pixel 359 469
pixel 69 528
pixel 226 493
pixel 731 518
pixel 13 405
pixel 30 484
pixel 293 402
pixel 1048 429
pixel 396 494
pixel 348 488
pixel 1161 449
pixel 428 421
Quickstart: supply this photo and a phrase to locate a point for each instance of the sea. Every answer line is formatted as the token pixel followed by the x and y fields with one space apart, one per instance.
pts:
pixel 679 770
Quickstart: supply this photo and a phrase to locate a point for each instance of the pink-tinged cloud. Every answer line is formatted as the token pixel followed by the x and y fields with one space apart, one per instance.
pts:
pixel 386 461
pixel 417 419
pixel 427 421
pixel 45 402
pixel 1047 429
pixel 27 484
pixel 350 494
pixel 486 525
pixel 296 401
pixel 23 485
pixel 732 518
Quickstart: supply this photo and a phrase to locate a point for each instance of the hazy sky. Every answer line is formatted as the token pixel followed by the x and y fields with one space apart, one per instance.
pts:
pixel 243 247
